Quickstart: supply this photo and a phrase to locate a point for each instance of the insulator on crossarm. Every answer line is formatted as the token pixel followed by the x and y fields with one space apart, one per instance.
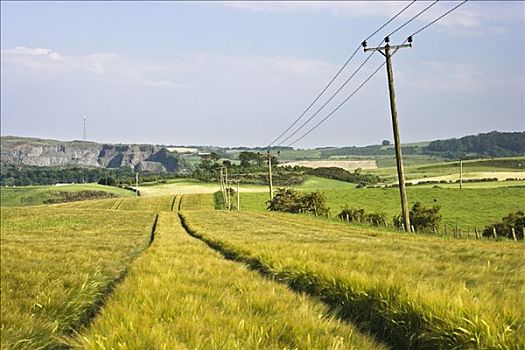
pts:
pixel 363 44
pixel 387 39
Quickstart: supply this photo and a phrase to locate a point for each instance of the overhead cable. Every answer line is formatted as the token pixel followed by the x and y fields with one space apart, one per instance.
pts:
pixel 413 18
pixel 440 17
pixel 338 107
pixel 338 73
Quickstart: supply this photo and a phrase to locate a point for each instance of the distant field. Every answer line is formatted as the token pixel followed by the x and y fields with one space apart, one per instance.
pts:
pixel 57 266
pixel 500 175
pixel 153 204
pixel 349 165
pixel 440 168
pixel 34 195
pixel 411 291
pixel 179 186
pixel 183 149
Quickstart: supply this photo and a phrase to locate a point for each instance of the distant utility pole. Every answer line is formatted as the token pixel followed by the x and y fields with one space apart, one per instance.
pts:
pixel 137 182
pixel 84 134
pixel 238 197
pixel 228 199
pixel 270 179
pixel 397 143
pixel 223 187
pixel 460 173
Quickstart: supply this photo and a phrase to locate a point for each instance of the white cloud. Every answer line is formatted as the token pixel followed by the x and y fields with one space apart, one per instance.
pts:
pixel 170 72
pixel 471 15
pixel 444 76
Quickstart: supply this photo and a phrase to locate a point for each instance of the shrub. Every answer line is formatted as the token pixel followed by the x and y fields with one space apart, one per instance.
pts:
pixel 376 219
pixel 359 215
pixel 504 227
pixel 344 175
pixel 64 197
pixel 291 201
pixel 315 203
pixel 422 218
pixel 352 214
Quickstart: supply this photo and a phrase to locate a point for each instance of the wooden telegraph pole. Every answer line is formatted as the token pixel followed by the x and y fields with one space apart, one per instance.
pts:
pixel 270 180
pixel 397 143
pixel 238 197
pixel 460 173
pixel 137 183
pixel 228 200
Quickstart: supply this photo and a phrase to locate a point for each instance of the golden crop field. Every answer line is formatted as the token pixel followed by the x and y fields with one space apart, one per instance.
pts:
pixel 414 291
pixel 57 266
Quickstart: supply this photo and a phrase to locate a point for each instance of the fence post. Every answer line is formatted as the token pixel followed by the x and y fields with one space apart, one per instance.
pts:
pixel 412 229
pixel 494 232
pixel 514 234
pixel 459 233
pixel 468 232
pixel 445 229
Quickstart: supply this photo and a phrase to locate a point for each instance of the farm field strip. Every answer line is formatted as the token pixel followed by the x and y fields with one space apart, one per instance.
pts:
pixel 36 195
pixel 412 291
pixel 467 208
pixel 158 203
pixel 57 266
pixel 197 300
pixel 199 201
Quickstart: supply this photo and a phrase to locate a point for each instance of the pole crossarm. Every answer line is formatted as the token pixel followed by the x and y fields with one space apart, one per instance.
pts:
pixel 382 48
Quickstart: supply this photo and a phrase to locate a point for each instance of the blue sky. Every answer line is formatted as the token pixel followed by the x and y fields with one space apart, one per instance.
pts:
pixel 238 73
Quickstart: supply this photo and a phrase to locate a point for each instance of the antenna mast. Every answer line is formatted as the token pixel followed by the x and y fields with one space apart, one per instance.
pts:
pixel 84 134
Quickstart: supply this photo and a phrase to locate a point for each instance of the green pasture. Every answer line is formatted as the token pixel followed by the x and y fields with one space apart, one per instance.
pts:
pixel 412 291
pixel 34 195
pixel 57 266
pixel 469 207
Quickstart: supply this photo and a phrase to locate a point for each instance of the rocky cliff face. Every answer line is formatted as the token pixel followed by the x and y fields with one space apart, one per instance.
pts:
pixel 37 152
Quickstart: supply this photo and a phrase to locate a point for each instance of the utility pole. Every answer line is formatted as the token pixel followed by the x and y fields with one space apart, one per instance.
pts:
pixel 397 143
pixel 137 182
pixel 228 200
pixel 460 173
pixel 221 181
pixel 84 133
pixel 238 197
pixel 270 180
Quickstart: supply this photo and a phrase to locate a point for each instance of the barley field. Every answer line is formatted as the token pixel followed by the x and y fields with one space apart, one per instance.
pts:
pixel 415 292
pixel 58 265
pixel 182 295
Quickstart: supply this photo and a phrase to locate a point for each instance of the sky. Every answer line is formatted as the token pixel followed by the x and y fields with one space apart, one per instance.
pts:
pixel 239 73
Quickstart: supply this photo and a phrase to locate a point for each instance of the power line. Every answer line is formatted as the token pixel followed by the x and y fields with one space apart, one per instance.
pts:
pixel 318 96
pixel 390 20
pixel 337 74
pixel 440 17
pixel 338 107
pixel 370 77
pixel 413 18
pixel 330 99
